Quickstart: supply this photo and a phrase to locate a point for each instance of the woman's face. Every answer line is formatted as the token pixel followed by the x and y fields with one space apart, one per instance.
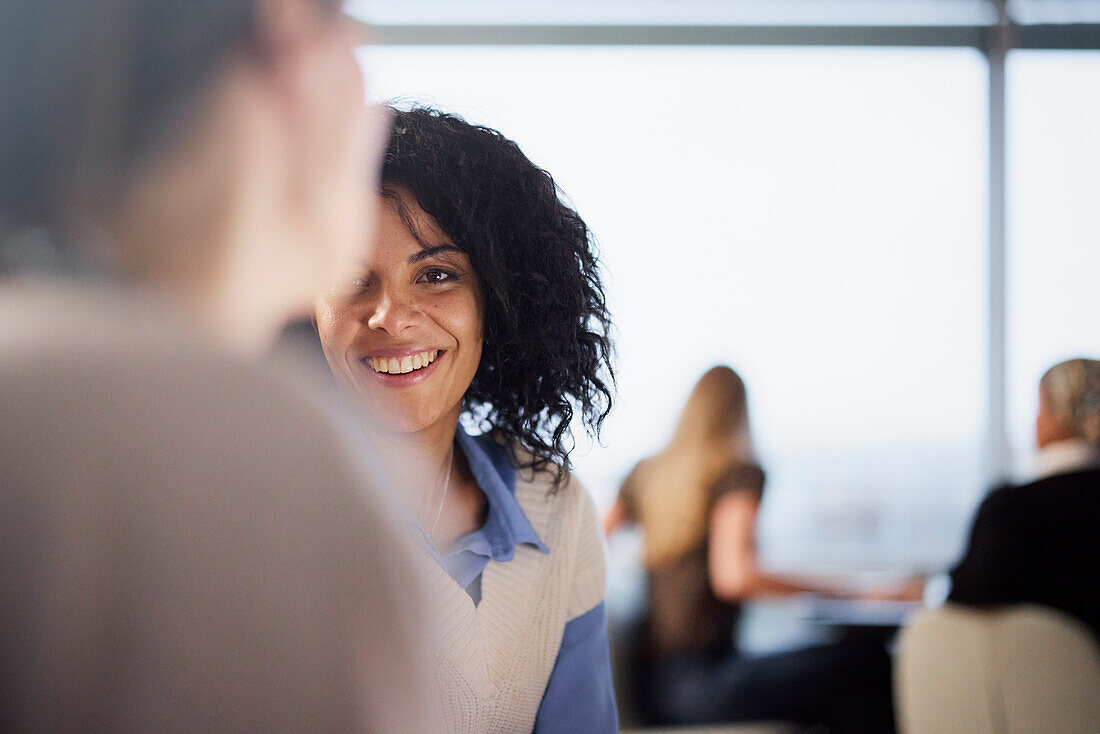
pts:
pixel 407 338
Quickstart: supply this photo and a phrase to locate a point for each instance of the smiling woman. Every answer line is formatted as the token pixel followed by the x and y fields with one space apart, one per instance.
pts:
pixel 408 338
pixel 483 297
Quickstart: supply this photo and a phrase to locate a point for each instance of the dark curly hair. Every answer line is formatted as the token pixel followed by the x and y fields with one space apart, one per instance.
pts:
pixel 547 344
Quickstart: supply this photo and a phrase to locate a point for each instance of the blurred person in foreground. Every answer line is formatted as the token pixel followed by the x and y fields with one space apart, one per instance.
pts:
pixel 185 542
pixel 697 502
pixel 1040 542
pixel 483 302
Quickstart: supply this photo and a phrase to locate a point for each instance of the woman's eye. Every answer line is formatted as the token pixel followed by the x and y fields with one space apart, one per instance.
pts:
pixel 436 276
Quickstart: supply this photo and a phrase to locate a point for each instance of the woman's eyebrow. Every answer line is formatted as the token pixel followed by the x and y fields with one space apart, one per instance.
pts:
pixel 427 252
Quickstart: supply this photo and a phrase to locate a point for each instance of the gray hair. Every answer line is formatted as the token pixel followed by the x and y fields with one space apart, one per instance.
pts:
pixel 1072 389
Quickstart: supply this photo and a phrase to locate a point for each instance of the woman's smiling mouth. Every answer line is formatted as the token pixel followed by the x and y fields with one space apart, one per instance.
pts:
pixel 403 364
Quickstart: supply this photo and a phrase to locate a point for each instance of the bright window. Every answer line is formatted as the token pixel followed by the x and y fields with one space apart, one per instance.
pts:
pixel 1054 221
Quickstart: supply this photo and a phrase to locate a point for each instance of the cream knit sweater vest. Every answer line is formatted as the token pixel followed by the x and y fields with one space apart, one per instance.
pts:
pixel 493 661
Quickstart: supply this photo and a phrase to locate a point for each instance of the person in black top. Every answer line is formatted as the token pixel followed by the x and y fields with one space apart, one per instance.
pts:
pixel 1040 542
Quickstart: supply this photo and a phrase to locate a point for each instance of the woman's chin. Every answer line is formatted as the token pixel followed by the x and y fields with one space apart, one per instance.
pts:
pixel 399 422
pixel 402 427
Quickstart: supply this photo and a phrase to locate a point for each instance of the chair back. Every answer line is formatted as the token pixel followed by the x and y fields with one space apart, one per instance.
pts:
pixel 1020 670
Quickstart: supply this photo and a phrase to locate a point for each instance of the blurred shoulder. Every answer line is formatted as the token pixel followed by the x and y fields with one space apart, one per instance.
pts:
pixel 634 485
pixel 565 517
pixel 747 477
pixel 103 338
pixel 636 473
pixel 1058 492
pixel 113 380
pixel 567 500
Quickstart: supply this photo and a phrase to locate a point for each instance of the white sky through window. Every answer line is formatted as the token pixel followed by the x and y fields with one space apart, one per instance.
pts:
pixel 1054 223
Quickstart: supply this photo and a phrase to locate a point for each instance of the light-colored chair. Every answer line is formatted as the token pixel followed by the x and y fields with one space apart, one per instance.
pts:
pixel 1020 670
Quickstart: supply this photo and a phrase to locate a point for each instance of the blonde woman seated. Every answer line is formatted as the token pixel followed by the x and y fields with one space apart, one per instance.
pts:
pixel 697 502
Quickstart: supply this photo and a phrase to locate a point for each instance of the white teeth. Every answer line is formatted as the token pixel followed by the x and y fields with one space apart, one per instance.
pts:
pixel 403 365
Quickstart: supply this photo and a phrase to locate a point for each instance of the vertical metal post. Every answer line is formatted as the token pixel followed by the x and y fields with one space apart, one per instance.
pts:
pixel 997 457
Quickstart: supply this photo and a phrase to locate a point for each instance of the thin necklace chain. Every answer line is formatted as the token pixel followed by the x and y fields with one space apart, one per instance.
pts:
pixel 443 499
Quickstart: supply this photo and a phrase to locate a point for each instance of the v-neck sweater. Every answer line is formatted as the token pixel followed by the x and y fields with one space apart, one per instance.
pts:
pixel 493 660
pixel 505 524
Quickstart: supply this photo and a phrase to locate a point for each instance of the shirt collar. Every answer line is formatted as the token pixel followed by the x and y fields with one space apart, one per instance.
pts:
pixel 506 523
pixel 1063 457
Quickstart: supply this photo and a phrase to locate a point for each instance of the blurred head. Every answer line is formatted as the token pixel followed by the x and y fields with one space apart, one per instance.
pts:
pixel 1069 403
pixel 155 123
pixel 673 488
pixel 716 414
pixel 494 242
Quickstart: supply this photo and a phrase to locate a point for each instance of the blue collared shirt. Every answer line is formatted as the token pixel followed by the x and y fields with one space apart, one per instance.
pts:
pixel 579 696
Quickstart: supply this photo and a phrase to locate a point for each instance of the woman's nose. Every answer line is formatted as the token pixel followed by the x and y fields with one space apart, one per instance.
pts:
pixel 392 313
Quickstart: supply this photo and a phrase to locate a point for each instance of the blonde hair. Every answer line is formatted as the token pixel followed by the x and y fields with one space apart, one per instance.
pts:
pixel 1072 390
pixel 671 488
